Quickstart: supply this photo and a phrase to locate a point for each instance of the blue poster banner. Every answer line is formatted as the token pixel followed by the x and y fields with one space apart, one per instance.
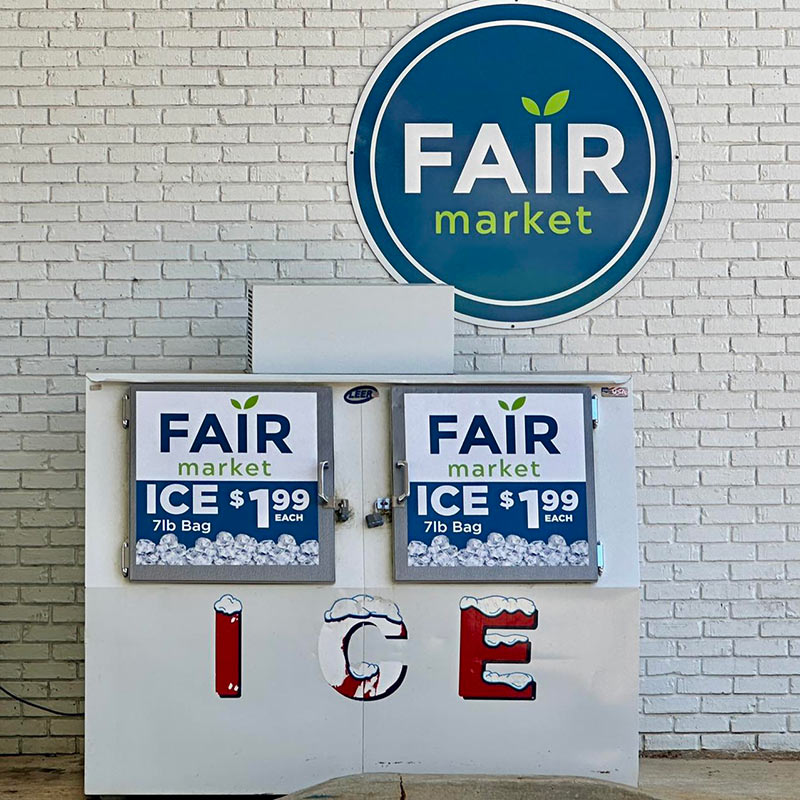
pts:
pixel 531 511
pixel 225 522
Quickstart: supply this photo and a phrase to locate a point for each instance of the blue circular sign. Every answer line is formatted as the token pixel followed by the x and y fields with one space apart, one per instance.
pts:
pixel 520 152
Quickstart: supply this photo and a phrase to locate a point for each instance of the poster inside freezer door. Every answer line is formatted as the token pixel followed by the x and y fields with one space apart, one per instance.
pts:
pixel 228 483
pixel 494 483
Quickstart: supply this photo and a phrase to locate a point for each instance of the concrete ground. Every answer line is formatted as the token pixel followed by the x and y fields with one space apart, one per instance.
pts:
pixel 394 786
pixel 720 779
pixel 61 778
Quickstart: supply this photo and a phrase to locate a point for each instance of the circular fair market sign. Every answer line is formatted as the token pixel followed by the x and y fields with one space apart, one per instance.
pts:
pixel 520 152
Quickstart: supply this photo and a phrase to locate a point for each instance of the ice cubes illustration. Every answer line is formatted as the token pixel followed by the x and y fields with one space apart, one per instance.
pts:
pixel 499 550
pixel 227 549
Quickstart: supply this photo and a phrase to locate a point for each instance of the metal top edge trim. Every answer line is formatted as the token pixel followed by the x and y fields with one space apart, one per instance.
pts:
pixel 563 378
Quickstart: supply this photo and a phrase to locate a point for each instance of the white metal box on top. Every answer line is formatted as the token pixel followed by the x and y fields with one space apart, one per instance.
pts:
pixel 343 329
pixel 156 722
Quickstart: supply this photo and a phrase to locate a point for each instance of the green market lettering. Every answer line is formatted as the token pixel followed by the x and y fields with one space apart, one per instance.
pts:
pixel 526 221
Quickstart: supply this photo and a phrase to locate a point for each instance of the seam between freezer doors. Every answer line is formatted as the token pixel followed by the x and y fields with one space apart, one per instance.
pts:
pixel 363 574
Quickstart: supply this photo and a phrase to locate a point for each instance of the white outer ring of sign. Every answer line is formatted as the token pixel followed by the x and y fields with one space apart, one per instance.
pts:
pixel 613 260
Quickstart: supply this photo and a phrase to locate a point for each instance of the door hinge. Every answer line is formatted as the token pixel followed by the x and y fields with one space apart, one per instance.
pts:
pixel 126 410
pixel 125 561
pixel 601 558
pixel 595 411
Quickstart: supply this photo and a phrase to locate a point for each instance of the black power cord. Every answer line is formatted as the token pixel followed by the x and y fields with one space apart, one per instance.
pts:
pixel 41 708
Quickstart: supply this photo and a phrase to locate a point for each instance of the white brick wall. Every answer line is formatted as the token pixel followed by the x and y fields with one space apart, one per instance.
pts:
pixel 157 154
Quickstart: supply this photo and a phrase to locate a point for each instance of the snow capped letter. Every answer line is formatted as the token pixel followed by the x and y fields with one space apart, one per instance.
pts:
pixel 363 681
pixel 479 648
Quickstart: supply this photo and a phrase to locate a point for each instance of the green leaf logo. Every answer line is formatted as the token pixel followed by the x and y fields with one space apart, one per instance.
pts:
pixel 556 102
pixel 531 107
pixel 518 403
pixel 249 403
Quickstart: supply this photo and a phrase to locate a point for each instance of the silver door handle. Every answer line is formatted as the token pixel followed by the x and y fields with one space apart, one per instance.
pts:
pixel 321 467
pixel 407 483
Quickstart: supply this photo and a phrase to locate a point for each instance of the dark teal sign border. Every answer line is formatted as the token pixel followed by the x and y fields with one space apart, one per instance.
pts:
pixel 580 27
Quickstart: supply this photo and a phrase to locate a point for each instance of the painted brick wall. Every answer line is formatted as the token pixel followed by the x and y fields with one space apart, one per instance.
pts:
pixel 156 155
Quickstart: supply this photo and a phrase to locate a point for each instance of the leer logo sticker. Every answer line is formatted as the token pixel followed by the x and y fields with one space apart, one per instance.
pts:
pixel 360 394
pixel 521 152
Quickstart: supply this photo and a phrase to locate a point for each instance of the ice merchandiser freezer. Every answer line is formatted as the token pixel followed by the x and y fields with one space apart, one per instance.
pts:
pixel 292 578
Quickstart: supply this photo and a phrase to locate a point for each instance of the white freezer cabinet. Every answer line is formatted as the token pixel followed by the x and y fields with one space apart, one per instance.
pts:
pixel 336 574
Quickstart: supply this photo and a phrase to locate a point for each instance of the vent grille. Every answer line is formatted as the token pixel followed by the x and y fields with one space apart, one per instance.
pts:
pixel 249 328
